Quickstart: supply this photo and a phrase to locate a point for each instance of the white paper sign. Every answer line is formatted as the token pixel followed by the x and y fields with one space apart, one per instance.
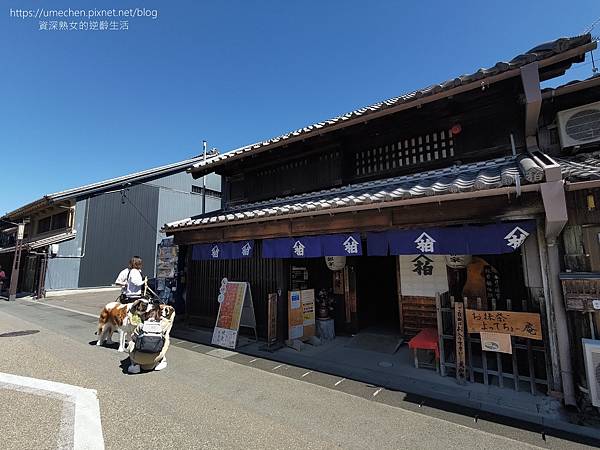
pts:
pixel 596 304
pixel 224 337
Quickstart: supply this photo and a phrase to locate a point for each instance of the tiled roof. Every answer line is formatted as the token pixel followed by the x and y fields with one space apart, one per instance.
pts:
pixel 585 166
pixel 496 173
pixel 537 53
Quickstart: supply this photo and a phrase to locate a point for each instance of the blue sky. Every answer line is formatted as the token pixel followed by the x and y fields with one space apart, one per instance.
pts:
pixel 82 106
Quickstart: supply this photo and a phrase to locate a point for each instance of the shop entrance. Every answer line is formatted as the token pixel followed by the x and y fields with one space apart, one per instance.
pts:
pixel 377 294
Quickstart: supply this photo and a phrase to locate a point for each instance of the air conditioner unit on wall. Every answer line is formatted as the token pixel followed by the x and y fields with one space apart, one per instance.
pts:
pixel 591 351
pixel 579 126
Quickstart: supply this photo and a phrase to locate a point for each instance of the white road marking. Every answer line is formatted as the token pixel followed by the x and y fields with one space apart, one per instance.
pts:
pixel 60 307
pixel 252 360
pixel 336 384
pixel 221 353
pixel 84 415
pixel 277 367
pixel 197 345
pixel 178 342
pixel 377 392
pixel 304 374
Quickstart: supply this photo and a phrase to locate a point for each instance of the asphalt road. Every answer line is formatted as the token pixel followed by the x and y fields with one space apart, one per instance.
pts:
pixel 209 398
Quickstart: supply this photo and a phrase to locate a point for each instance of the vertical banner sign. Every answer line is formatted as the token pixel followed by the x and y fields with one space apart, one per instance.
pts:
pixel 301 314
pixel 459 321
pixel 272 324
pixel 231 299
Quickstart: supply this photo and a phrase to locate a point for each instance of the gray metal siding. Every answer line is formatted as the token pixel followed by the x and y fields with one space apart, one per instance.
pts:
pixel 183 181
pixel 63 270
pixel 173 205
pixel 117 231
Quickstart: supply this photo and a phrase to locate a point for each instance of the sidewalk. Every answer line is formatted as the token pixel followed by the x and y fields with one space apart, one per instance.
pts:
pixel 392 372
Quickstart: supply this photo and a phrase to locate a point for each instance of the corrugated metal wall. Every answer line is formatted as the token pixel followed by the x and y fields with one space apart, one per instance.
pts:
pixel 205 280
pixel 176 200
pixel 63 271
pixel 183 181
pixel 117 231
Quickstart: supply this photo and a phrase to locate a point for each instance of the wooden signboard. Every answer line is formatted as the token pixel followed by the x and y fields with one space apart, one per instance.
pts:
pixel 301 314
pixel 272 324
pixel 236 309
pixel 527 325
pixel 459 322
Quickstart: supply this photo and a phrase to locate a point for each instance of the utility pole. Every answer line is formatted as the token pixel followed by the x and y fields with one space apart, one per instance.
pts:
pixel 14 274
pixel 204 181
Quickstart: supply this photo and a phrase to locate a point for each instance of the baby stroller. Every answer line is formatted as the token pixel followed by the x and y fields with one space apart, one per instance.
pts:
pixel 150 339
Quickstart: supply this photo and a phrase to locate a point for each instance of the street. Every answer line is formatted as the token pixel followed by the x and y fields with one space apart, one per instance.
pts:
pixel 211 398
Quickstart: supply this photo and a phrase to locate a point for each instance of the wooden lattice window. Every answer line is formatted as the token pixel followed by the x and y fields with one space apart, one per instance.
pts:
pixel 405 152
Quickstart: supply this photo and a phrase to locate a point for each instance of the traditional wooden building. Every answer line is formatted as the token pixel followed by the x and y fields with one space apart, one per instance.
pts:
pixel 444 195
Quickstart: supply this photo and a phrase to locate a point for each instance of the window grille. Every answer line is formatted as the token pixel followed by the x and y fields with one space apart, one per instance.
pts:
pixel 405 153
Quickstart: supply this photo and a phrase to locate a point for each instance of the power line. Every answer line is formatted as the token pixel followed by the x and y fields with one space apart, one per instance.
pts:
pixel 152 227
pixel 591 27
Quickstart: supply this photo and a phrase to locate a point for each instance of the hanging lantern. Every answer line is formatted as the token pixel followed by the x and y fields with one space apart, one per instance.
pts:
pixel 458 261
pixel 335 262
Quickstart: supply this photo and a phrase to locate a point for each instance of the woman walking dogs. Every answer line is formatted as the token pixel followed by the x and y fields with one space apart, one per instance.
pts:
pixel 131 281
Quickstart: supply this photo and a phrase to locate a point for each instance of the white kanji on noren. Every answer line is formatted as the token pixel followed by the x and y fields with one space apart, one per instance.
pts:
pixel 351 246
pixel 516 237
pixel 214 252
pixel 425 243
pixel 298 248
pixel 246 249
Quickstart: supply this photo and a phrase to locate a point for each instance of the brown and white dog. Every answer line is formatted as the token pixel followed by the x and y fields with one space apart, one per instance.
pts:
pixel 114 317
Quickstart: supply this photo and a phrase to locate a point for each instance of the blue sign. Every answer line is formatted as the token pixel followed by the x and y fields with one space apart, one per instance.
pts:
pixel 341 244
pixel 242 249
pixel 223 250
pixel 489 239
pixel 313 246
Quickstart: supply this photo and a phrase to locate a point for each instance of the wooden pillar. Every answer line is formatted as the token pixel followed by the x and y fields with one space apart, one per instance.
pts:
pixel 399 293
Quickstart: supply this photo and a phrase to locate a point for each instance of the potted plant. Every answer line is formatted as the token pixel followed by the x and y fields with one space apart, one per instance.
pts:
pixel 324 301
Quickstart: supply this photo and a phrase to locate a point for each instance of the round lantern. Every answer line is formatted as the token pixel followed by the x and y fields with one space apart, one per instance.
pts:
pixel 458 261
pixel 335 262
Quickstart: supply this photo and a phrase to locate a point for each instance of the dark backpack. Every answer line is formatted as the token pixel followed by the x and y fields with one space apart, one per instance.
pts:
pixel 150 339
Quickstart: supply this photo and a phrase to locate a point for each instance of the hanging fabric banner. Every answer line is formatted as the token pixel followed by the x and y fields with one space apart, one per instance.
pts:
pixel 313 246
pixel 307 247
pixel 489 239
pixel 223 250
pixel 377 243
pixel 341 244
pixel 277 248
pixel 242 249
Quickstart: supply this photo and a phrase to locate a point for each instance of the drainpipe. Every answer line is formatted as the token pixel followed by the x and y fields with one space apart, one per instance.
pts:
pixel 555 207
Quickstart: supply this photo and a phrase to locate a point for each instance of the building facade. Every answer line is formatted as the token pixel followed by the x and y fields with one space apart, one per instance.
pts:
pixel 453 194
pixel 83 237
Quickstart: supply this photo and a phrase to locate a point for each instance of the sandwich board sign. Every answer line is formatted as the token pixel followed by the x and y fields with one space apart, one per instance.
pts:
pixel 301 314
pixel 235 310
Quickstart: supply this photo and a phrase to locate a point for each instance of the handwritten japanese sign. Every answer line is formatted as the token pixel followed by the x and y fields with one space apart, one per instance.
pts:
pixel 521 324
pixel 459 322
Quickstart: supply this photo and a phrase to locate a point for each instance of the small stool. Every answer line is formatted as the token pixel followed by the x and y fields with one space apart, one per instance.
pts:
pixel 427 339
